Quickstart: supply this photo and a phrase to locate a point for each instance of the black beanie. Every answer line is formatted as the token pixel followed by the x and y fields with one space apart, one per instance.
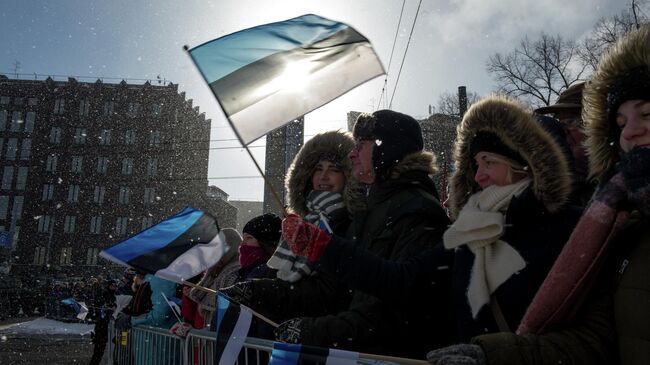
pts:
pixel 489 142
pixel 634 84
pixel 266 228
pixel 396 136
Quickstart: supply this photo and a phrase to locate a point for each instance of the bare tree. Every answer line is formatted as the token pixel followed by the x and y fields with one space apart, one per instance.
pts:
pixel 449 104
pixel 537 70
pixel 607 31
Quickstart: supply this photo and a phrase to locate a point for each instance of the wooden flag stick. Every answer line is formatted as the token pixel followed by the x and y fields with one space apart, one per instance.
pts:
pixel 399 360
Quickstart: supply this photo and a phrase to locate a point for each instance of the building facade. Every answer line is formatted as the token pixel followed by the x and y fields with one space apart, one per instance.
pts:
pixel 85 165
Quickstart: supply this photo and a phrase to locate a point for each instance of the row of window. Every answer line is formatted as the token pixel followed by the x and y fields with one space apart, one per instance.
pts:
pixel 65 256
pixel 99 194
pixel 46 224
pixel 108 108
pixel 12 148
pixel 104 137
pixel 76 165
pixel 16 210
pixel 18 100
pixel 17 122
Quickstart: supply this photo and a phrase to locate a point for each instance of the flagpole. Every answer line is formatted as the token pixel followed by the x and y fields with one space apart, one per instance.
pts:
pixel 399 360
pixel 276 197
pixel 212 291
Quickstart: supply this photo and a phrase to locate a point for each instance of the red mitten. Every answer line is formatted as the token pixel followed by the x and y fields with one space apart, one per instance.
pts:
pixel 303 238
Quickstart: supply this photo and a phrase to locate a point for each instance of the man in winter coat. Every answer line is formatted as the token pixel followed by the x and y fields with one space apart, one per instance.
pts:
pixel 402 217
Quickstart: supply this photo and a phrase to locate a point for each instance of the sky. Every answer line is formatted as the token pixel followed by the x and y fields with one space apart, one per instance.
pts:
pixel 126 39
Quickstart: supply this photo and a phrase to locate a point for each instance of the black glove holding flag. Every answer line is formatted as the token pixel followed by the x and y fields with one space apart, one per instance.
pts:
pixel 289 331
pixel 462 354
pixel 303 238
pixel 241 293
pixel 123 322
pixel 635 167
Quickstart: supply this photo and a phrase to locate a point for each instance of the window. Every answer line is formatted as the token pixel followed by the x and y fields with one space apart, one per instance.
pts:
pixel 84 107
pixel 21 177
pixel 134 109
pixel 26 149
pixel 29 121
pixel 129 137
pixel 125 193
pixel 4 206
pixel 156 109
pixel 4 99
pixel 59 106
pixel 100 191
pixel 17 210
pixel 66 256
pixel 44 223
pixel 109 106
pixel 69 223
pixel 16 121
pixel 149 195
pixel 50 163
pixel 95 225
pixel 32 101
pixel 80 135
pixel 76 163
pixel 18 100
pixel 127 166
pixel 12 147
pixel 48 192
pixel 7 177
pixel 154 138
pixel 152 167
pixel 3 120
pixel 91 257
pixel 55 135
pixel 102 165
pixel 120 225
pixel 73 193
pixel 39 255
pixel 105 137
pixel 147 222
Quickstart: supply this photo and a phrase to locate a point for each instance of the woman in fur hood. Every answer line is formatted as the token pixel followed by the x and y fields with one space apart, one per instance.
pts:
pixel 508 200
pixel 594 306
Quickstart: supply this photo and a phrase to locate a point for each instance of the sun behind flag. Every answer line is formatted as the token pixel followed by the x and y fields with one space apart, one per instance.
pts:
pixel 178 248
pixel 268 75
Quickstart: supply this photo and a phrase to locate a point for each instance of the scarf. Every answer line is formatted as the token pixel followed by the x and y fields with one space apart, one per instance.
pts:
pixel 577 266
pixel 290 267
pixel 479 225
pixel 251 256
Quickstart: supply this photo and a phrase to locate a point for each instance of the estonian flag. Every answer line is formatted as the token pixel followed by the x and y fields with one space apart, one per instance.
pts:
pixel 290 354
pixel 271 74
pixel 233 321
pixel 178 248
pixel 79 308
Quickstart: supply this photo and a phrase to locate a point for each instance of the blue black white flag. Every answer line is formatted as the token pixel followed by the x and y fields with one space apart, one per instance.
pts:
pixel 266 76
pixel 233 321
pixel 290 354
pixel 178 248
pixel 79 308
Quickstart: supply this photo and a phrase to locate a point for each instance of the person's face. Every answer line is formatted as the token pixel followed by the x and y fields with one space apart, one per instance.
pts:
pixel 361 157
pixel 491 171
pixel 572 123
pixel 138 279
pixel 328 177
pixel 249 240
pixel 633 117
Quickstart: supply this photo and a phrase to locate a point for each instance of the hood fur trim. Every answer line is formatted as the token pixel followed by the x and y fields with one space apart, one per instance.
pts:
pixel 517 129
pixel 298 181
pixel 416 161
pixel 629 52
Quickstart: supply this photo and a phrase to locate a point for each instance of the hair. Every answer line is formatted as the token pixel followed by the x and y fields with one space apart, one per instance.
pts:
pixel 514 167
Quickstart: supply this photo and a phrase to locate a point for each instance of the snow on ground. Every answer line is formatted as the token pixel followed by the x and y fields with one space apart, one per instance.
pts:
pixel 44 326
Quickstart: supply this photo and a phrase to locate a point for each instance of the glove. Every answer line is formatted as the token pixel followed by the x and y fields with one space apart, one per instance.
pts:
pixel 461 354
pixel 241 292
pixel 180 329
pixel 288 331
pixel 635 167
pixel 123 322
pixel 304 239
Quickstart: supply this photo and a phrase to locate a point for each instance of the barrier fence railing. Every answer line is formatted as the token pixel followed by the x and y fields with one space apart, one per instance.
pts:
pixel 151 345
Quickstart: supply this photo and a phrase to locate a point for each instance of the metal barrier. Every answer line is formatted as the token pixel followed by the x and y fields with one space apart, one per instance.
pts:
pixel 150 345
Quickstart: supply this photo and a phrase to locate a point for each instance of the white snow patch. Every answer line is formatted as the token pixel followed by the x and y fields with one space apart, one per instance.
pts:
pixel 44 326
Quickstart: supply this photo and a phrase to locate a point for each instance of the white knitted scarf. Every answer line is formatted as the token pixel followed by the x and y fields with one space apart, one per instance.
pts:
pixel 480 224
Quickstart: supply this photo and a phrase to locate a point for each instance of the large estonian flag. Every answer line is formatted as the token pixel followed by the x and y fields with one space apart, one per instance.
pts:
pixel 178 248
pixel 271 74
pixel 290 354
pixel 233 321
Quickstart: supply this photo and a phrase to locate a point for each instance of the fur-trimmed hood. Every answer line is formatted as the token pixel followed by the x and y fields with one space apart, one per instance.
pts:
pixel 603 148
pixel 518 130
pixel 417 161
pixel 298 183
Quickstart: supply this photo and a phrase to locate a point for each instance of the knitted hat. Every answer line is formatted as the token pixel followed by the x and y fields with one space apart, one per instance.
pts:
pixel 489 142
pixel 396 136
pixel 266 228
pixel 634 84
pixel 569 99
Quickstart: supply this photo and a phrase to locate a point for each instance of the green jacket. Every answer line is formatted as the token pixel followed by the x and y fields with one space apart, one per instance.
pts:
pixel 612 326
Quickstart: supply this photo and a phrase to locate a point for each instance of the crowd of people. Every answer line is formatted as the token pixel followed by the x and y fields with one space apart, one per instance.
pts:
pixel 539 255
